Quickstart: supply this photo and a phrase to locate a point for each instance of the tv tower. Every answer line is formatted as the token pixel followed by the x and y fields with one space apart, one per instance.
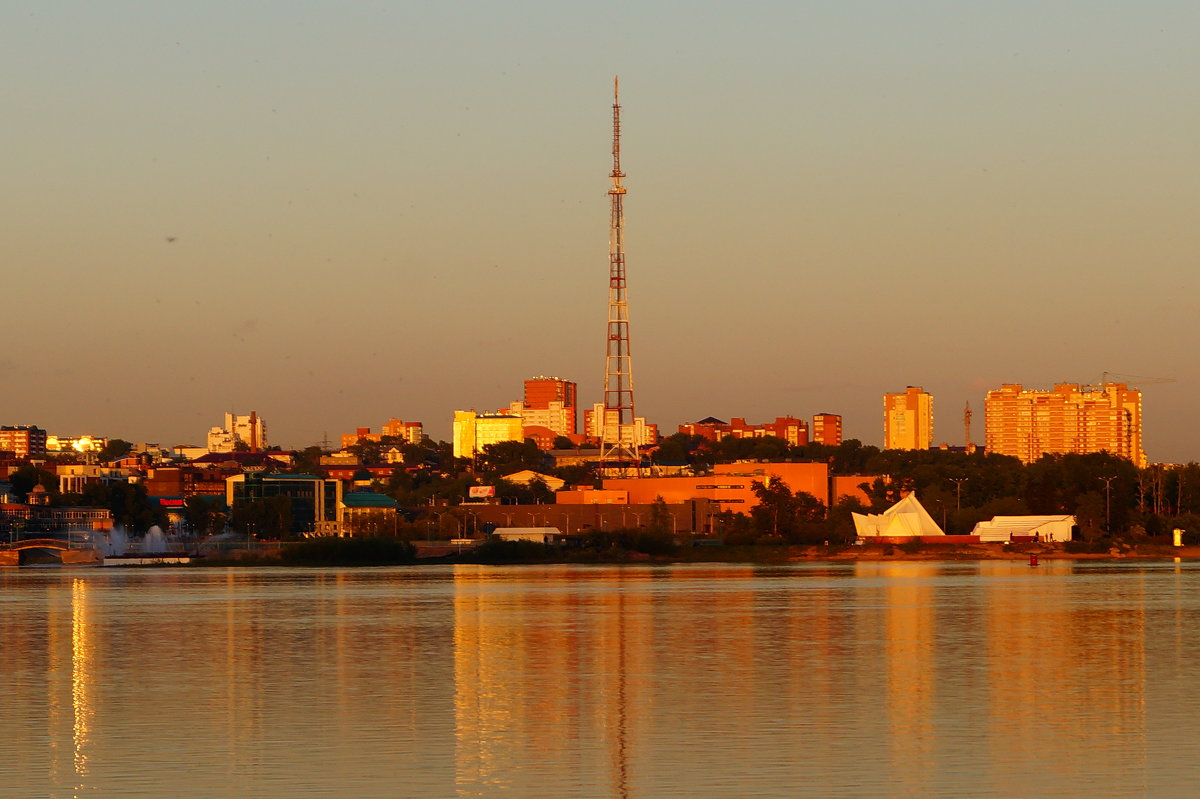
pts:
pixel 618 444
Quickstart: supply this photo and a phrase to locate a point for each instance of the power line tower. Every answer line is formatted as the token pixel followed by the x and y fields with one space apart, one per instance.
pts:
pixel 618 442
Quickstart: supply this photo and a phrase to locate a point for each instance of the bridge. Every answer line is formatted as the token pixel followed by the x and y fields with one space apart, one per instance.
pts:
pixel 27 550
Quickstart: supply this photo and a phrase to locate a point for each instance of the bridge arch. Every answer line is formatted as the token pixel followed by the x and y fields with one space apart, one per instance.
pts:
pixel 25 551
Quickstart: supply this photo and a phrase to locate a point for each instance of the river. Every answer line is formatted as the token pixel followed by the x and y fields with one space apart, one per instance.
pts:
pixel 951 679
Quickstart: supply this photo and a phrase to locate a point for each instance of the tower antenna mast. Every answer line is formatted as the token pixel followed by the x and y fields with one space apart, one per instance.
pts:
pixel 967 413
pixel 618 438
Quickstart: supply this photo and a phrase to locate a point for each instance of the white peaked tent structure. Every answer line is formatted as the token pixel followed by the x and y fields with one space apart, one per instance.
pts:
pixel 906 519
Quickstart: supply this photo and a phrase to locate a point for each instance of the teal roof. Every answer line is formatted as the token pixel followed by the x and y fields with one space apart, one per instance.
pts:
pixel 368 499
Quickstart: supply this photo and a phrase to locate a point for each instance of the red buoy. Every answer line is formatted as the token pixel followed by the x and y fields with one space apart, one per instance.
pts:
pixel 1033 559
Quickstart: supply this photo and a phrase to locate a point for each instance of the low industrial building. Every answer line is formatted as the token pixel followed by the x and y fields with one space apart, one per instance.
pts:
pixel 1014 528
pixel 730 485
pixel 367 513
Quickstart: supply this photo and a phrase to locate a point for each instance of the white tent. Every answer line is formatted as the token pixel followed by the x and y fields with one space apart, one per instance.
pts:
pixel 1003 528
pixel 906 519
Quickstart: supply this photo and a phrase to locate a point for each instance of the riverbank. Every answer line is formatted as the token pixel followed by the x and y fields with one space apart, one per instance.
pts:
pixel 1018 551
pixel 528 553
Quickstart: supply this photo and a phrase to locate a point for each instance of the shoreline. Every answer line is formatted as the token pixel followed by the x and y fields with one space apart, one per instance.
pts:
pixel 1016 552
pixel 765 554
pixel 780 555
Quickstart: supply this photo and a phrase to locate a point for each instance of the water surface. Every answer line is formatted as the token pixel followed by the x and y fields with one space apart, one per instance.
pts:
pixel 852 680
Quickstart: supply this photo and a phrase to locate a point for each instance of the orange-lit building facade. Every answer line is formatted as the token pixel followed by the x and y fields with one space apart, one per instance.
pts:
pixel 729 486
pixel 908 419
pixel 23 440
pixel 1070 418
pixel 553 393
pixel 789 428
pixel 412 432
pixel 548 410
pixel 827 429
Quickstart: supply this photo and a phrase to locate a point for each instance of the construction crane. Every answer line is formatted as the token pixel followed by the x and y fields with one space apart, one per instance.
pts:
pixel 1133 380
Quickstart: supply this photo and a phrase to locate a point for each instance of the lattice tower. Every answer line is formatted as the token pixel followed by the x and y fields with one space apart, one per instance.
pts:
pixel 618 445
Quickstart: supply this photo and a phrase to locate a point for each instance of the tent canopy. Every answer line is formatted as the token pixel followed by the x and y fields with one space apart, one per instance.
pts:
pixel 906 519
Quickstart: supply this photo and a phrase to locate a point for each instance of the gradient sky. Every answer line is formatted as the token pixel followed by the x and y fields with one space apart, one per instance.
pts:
pixel 398 208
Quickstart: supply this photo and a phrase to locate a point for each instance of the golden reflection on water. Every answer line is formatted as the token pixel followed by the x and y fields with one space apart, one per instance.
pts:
pixel 911 669
pixel 866 680
pixel 83 667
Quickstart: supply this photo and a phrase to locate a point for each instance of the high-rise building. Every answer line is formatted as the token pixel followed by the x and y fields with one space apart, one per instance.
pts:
pixel 550 405
pixel 908 419
pixel 24 440
pixel 638 434
pixel 249 431
pixel 412 432
pixel 474 431
pixel 827 429
pixel 546 393
pixel 1028 423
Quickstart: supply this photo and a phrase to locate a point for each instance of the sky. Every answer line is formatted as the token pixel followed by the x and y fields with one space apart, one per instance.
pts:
pixel 338 213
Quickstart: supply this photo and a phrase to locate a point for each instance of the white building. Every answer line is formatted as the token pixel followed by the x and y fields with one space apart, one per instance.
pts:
pixel 248 430
pixel 557 418
pixel 638 434
pixel 1045 528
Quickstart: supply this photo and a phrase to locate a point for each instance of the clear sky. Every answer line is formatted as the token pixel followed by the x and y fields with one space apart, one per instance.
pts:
pixel 335 213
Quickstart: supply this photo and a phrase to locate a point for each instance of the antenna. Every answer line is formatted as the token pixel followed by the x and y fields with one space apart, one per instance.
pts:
pixel 618 444
pixel 967 425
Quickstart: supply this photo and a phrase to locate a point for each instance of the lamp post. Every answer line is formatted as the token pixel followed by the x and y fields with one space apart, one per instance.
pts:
pixel 958 481
pixel 1108 502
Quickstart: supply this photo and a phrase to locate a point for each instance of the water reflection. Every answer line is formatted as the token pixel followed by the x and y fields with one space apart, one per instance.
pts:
pixel 910 679
pixel 83 668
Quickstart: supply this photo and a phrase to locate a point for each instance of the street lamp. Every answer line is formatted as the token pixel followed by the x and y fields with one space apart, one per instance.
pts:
pixel 1108 502
pixel 958 481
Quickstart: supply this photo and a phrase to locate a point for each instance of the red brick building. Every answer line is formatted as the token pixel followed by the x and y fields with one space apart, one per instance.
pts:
pixel 23 440
pixel 789 428
pixel 827 429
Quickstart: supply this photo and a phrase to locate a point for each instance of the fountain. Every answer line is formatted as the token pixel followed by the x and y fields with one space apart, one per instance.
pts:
pixel 117 543
pixel 154 549
pixel 155 542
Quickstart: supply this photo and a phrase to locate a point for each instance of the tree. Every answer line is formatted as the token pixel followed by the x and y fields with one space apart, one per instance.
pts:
pixel 507 457
pixel 24 479
pixel 840 522
pixel 660 516
pixel 204 514
pixel 781 513
pixel 308 461
pixel 270 517
pixel 115 448
pixel 368 452
pixel 696 451
pixel 580 474
pixel 769 448
pixel 128 503
pixel 562 442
